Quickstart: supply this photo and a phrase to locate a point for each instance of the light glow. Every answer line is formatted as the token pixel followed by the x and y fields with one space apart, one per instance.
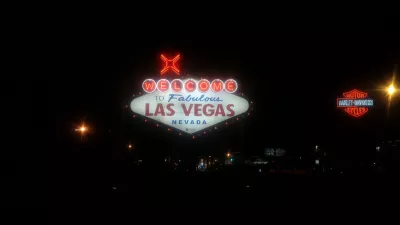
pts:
pixel 170 64
pixel 391 89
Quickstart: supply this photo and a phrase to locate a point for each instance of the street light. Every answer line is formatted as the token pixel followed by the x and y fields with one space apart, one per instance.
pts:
pixel 82 129
pixel 391 90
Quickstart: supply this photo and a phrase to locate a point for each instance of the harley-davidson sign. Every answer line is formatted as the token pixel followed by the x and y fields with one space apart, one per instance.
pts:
pixel 355 103
pixel 189 105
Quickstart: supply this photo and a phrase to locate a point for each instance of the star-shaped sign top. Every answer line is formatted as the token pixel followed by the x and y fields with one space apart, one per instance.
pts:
pixel 170 64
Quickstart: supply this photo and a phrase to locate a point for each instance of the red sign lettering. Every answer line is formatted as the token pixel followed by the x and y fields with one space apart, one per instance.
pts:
pixel 230 86
pixel 190 85
pixel 177 85
pixel 163 85
pixel 149 85
pixel 217 85
pixel 204 85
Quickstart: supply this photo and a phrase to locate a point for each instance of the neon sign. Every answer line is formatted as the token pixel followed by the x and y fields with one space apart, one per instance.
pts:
pixel 189 85
pixel 189 105
pixel 355 103
pixel 170 64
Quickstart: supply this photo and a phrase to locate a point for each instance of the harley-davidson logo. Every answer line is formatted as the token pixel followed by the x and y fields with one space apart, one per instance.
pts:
pixel 355 103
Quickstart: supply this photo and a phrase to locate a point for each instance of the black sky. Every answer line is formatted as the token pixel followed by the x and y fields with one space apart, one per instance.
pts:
pixel 294 78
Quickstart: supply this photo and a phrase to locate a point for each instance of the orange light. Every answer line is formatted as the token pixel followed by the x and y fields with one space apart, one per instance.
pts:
pixel 82 129
pixel 170 64
pixel 391 89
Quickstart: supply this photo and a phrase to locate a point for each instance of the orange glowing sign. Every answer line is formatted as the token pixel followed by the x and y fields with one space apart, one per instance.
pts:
pixel 170 64
pixel 355 103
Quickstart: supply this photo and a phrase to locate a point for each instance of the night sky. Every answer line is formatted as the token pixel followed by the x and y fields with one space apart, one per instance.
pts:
pixel 294 78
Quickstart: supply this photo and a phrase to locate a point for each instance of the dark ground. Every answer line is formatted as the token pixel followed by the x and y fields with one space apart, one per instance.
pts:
pixel 84 191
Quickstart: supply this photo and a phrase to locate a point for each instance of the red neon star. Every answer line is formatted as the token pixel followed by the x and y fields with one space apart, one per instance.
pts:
pixel 170 64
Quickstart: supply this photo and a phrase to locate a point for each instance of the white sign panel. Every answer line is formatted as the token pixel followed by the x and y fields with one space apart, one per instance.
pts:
pixel 189 111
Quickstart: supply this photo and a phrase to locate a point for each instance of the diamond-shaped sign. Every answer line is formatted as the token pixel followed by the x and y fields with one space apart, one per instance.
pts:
pixel 189 112
pixel 355 103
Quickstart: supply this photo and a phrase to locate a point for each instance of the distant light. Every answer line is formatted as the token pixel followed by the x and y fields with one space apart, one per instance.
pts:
pixel 247 186
pixel 114 188
pixel 82 129
pixel 391 89
pixel 129 146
